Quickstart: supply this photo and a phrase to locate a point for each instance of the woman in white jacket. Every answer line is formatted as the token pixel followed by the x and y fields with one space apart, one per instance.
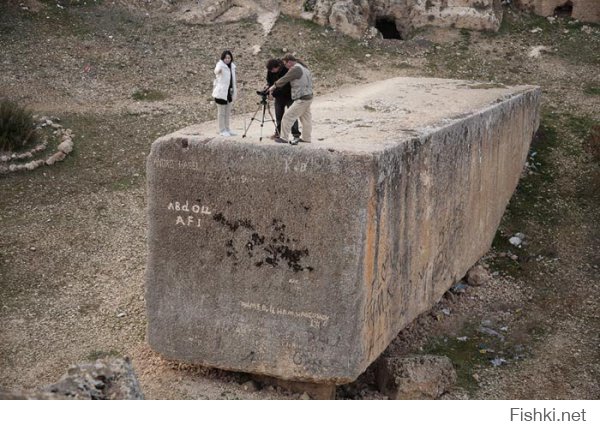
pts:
pixel 224 91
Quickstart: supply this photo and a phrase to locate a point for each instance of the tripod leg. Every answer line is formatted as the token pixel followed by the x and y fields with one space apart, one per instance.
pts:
pixel 272 119
pixel 251 119
pixel 262 122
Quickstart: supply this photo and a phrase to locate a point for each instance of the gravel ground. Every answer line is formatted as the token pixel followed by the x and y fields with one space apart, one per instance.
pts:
pixel 72 236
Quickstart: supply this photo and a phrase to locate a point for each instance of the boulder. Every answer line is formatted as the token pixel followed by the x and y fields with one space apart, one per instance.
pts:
pixel 415 378
pixel 583 10
pixel 355 18
pixel 477 276
pixel 350 17
pixel 105 379
pixel 304 262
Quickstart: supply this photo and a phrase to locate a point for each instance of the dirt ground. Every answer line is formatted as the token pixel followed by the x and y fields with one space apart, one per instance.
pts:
pixel 72 236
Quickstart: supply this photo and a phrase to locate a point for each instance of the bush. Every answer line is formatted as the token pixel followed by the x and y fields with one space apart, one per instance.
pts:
pixel 149 95
pixel 17 129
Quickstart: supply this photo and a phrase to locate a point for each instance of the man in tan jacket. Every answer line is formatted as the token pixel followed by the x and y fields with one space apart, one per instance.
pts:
pixel 300 79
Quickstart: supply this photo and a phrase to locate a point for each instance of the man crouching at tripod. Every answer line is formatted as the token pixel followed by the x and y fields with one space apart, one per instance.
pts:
pixel 282 95
pixel 300 79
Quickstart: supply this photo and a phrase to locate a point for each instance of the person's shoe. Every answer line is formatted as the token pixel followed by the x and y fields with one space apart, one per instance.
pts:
pixel 231 133
pixel 302 140
pixel 295 141
pixel 274 136
pixel 280 140
pixel 225 133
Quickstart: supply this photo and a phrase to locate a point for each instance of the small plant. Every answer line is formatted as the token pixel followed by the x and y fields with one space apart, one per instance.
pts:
pixel 97 354
pixel 592 90
pixel 149 95
pixel 17 128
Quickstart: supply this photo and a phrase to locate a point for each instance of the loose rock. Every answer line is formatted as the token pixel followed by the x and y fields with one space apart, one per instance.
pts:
pixel 105 379
pixel 250 386
pixel 66 146
pixel 58 156
pixel 477 276
pixel 515 241
pixel 417 377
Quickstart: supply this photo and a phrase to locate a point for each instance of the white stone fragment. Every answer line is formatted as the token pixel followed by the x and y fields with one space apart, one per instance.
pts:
pixel 66 146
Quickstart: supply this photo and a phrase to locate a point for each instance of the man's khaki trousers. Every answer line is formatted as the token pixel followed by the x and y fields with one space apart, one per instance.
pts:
pixel 300 110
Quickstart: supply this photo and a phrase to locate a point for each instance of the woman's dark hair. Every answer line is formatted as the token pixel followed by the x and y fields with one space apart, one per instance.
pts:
pixel 225 53
pixel 274 62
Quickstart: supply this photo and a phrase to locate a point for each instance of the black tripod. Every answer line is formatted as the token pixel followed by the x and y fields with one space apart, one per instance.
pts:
pixel 265 108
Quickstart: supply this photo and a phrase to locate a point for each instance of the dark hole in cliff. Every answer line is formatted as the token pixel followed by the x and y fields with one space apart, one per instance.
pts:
pixel 387 27
pixel 564 10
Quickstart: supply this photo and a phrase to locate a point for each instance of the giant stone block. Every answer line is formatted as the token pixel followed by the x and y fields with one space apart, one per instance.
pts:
pixel 304 262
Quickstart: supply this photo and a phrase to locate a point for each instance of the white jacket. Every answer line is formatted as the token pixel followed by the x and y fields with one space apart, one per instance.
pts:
pixel 221 82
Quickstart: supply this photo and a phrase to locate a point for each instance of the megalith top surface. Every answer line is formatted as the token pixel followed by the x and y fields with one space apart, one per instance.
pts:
pixel 371 117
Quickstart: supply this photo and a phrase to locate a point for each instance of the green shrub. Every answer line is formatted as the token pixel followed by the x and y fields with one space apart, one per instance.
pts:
pixel 17 129
pixel 149 95
pixel 592 90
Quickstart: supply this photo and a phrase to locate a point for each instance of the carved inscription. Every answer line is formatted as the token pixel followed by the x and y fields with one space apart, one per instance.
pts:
pixel 186 209
pixel 291 166
pixel 162 163
pixel 315 335
pixel 315 319
pixel 177 164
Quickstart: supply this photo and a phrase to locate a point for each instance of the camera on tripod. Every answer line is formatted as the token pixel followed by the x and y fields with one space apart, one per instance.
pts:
pixel 264 94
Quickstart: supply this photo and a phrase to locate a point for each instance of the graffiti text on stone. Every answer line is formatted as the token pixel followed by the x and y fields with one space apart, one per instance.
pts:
pixel 315 319
pixel 187 219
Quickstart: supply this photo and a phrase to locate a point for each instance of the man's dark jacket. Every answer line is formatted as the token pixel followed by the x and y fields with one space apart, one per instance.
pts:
pixel 283 94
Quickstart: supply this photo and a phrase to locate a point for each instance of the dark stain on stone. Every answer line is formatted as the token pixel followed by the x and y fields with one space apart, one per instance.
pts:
pixel 278 225
pixel 283 254
pixel 257 239
pixel 184 143
pixel 218 217
pixel 230 249
pixel 246 224
pixel 278 253
pixel 233 225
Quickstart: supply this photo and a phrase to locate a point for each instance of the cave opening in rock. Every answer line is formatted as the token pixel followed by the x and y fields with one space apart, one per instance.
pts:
pixel 387 26
pixel 564 10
